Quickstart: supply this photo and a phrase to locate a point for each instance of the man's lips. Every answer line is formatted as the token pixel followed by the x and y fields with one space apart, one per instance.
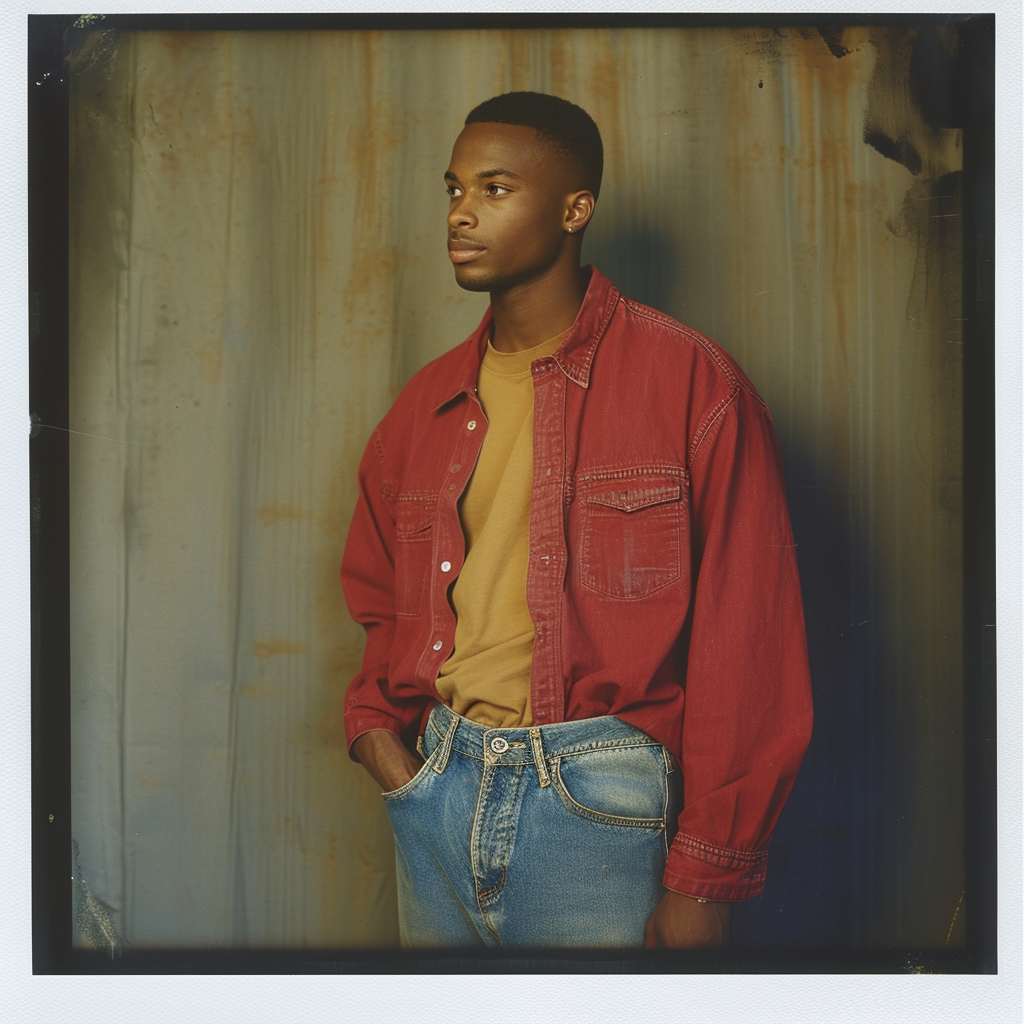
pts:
pixel 462 251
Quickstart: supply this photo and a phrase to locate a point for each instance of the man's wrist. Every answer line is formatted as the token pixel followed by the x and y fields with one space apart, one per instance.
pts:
pixel 387 759
pixel 682 921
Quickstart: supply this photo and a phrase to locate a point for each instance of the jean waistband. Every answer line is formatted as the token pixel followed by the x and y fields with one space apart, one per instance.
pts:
pixel 517 745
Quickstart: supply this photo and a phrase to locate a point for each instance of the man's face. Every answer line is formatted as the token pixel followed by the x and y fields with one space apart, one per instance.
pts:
pixel 510 196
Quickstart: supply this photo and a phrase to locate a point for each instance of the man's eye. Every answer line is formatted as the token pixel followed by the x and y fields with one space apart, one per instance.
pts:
pixel 453 190
pixel 496 190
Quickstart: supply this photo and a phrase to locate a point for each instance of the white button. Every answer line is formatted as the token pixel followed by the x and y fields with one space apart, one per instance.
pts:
pixel 499 744
pixel 471 425
pixel 438 645
pixel 445 566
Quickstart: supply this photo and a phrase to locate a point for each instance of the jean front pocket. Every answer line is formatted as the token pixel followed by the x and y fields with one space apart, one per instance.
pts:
pixel 404 790
pixel 414 517
pixel 615 785
pixel 631 536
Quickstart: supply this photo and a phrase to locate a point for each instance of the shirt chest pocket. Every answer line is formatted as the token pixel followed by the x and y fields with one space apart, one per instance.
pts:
pixel 631 536
pixel 414 520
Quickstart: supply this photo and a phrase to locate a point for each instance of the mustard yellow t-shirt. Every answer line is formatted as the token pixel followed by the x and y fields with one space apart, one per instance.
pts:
pixel 487 677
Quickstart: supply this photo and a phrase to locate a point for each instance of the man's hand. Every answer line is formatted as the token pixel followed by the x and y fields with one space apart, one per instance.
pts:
pixel 386 758
pixel 682 922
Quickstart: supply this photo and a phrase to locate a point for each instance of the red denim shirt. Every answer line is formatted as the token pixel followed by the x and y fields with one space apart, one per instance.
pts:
pixel 662 578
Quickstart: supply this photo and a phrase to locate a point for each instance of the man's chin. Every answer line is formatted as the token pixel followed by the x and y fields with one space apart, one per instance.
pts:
pixel 471 282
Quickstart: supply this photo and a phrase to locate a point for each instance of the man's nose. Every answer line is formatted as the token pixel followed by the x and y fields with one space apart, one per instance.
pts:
pixel 461 214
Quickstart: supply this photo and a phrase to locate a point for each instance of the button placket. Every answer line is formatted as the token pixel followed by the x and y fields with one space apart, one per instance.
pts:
pixel 547 544
pixel 449 535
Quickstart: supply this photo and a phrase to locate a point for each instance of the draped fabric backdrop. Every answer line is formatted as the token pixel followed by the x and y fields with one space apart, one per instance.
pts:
pixel 258 266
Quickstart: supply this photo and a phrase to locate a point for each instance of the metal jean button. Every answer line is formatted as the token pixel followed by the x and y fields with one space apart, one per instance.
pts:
pixel 499 744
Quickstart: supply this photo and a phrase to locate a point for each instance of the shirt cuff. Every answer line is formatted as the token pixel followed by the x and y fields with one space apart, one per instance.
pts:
pixel 354 728
pixel 699 869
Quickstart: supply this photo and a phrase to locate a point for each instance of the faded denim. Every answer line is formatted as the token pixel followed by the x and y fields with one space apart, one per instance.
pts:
pixel 553 835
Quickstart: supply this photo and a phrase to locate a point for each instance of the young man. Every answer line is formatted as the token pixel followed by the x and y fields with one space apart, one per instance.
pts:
pixel 573 560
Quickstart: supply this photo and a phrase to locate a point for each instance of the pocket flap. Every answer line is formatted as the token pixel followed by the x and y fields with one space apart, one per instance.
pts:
pixel 630 499
pixel 413 515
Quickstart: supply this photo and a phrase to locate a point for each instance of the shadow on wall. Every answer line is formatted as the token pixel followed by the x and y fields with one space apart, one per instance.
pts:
pixel 820 885
pixel 838 841
pixel 643 263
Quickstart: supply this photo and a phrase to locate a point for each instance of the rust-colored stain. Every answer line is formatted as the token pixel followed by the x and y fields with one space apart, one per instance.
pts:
pixel 521 66
pixel 603 100
pixel 274 512
pixel 561 57
pixel 372 266
pixel 369 146
pixel 210 359
pixel 339 666
pixel 268 648
pixel 175 43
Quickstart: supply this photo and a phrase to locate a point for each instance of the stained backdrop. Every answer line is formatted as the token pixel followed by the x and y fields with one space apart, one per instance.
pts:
pixel 257 267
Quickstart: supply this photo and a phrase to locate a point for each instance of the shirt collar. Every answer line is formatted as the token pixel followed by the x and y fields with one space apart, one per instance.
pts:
pixel 573 357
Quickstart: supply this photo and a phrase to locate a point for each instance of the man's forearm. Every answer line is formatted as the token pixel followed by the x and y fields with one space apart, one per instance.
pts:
pixel 386 758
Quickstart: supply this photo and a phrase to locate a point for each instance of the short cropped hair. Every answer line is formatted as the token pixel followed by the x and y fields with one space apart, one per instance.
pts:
pixel 569 128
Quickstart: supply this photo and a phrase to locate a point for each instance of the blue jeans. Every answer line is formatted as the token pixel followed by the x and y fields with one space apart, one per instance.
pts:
pixel 547 836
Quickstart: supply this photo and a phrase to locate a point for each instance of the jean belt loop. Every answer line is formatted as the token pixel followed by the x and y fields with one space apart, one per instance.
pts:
pixel 446 745
pixel 538 757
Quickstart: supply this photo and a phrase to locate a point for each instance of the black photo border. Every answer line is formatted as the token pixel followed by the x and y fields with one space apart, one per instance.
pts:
pixel 50 37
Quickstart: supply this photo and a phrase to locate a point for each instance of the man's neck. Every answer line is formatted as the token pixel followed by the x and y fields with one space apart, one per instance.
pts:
pixel 529 314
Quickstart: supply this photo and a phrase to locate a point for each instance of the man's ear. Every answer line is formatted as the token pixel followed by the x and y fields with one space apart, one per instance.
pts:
pixel 579 208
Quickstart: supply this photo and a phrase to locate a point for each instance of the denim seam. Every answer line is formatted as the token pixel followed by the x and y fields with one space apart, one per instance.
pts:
pixel 591 349
pixel 482 896
pixel 727 371
pixel 642 497
pixel 716 854
pixel 570 751
pixel 550 755
pixel 598 817
pixel 587 481
pixel 474 845
pixel 604 474
pixel 538 757
pixel 587 748
pixel 664 810
pixel 709 422
pixel 446 747
pixel 414 494
pixel 402 791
